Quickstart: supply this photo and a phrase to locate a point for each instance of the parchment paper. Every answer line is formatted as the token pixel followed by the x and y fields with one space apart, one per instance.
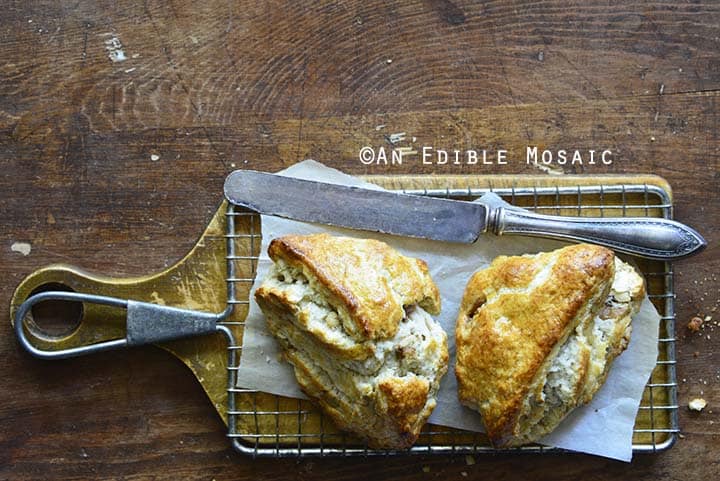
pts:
pixel 603 427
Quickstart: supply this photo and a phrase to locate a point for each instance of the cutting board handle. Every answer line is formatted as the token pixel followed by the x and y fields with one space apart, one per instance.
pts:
pixel 194 286
pixel 96 322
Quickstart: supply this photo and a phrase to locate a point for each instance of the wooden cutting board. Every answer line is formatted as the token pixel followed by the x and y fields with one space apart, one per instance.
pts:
pixel 198 282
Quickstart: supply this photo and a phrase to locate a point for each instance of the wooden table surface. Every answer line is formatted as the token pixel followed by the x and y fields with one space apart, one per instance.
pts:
pixel 119 121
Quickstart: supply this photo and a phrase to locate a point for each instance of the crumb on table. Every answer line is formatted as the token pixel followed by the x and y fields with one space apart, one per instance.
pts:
pixel 697 404
pixel 695 324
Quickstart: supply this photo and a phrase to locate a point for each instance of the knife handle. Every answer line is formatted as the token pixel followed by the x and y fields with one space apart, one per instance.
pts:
pixel 651 238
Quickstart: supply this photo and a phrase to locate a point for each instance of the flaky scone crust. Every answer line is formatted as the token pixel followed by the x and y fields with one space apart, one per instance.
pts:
pixel 366 278
pixel 351 318
pixel 402 406
pixel 497 361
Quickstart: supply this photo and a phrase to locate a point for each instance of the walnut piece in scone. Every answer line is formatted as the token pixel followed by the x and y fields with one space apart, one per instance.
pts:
pixel 353 318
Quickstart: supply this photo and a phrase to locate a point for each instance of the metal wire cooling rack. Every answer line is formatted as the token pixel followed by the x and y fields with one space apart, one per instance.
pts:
pixel 261 424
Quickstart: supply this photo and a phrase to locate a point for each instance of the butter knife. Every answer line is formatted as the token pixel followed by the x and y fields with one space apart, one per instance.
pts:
pixel 450 220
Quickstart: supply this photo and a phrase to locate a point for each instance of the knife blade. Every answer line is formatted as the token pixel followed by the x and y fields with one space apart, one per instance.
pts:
pixel 450 220
pixel 356 208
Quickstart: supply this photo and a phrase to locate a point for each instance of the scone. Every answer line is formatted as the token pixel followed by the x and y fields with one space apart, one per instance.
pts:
pixel 353 319
pixel 536 336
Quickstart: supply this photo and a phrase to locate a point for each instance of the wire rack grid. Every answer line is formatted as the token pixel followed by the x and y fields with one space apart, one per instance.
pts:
pixel 260 424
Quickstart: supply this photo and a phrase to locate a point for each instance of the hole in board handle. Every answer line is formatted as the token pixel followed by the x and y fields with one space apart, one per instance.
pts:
pixel 54 319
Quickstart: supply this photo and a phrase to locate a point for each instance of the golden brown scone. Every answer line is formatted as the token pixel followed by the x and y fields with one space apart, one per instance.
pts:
pixel 536 336
pixel 352 318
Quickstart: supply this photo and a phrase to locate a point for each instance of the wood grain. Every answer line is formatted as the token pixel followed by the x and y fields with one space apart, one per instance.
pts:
pixel 211 86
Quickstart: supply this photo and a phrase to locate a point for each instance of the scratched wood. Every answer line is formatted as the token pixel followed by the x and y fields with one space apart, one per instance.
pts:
pixel 207 87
